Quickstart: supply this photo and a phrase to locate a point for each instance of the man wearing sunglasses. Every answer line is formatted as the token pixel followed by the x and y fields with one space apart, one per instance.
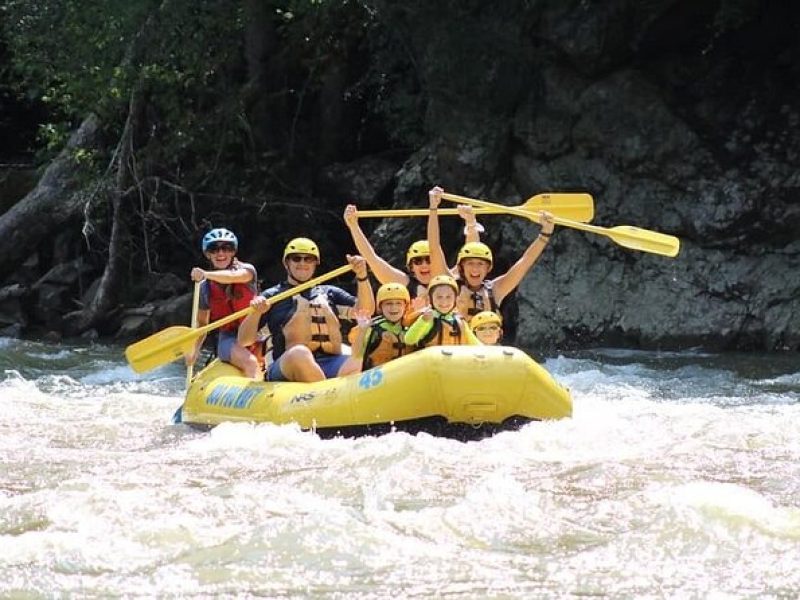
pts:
pixel 306 329
pixel 228 286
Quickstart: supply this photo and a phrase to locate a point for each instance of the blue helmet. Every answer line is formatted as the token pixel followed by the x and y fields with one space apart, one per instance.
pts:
pixel 219 235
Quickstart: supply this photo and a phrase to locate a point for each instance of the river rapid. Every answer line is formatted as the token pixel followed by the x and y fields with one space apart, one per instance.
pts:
pixel 677 477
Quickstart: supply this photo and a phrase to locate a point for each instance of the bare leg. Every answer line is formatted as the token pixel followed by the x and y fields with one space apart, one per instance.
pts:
pixel 351 365
pixel 298 364
pixel 244 359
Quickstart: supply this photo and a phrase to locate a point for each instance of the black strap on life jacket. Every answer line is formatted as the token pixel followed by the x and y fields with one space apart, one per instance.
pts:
pixel 436 332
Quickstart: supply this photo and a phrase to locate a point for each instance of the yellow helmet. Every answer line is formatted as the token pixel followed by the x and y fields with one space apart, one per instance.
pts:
pixel 301 246
pixel 418 248
pixel 475 250
pixel 443 280
pixel 392 291
pixel 487 317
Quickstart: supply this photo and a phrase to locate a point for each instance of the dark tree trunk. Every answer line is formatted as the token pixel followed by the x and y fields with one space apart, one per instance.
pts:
pixel 124 188
pixel 263 105
pixel 56 199
pixel 333 125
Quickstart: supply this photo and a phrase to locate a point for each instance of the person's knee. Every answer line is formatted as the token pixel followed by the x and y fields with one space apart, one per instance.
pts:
pixel 244 359
pixel 298 355
pixel 251 367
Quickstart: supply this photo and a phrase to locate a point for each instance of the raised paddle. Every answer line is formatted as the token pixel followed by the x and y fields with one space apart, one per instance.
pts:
pixel 577 207
pixel 627 236
pixel 173 342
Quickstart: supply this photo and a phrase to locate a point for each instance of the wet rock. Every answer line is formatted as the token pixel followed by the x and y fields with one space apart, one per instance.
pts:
pixel 65 274
pixel 137 323
pixel 12 299
pixel 52 337
pixel 165 285
pixel 12 331
pixel 362 182
pixel 51 303
pixel 90 335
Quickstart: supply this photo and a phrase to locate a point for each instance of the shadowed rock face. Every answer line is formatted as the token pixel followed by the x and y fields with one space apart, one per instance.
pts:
pixel 677 118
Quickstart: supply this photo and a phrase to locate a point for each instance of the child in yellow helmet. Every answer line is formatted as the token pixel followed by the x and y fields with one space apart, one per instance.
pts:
pixel 487 327
pixel 440 324
pixel 377 341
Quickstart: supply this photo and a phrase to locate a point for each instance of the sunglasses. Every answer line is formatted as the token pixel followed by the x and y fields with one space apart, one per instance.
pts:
pixel 220 247
pixel 420 260
pixel 491 328
pixel 306 258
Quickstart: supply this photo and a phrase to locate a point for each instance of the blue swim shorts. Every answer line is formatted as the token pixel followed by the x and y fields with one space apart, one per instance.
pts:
pixel 329 363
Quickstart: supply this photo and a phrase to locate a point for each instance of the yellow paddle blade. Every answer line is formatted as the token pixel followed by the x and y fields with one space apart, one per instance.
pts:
pixel 161 348
pixel 645 240
pixel 573 206
pixel 576 207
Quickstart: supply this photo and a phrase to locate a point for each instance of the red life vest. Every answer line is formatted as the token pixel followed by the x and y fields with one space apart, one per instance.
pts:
pixel 224 300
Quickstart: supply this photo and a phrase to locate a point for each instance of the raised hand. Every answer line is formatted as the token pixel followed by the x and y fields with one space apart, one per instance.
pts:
pixel 546 222
pixel 359 265
pixel 435 197
pixel 351 215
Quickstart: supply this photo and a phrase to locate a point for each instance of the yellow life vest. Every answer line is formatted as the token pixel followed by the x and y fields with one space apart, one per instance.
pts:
pixel 314 324
pixel 470 303
pixel 448 330
pixel 384 342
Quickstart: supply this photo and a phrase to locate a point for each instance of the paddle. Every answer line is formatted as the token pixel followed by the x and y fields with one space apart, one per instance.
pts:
pixel 195 309
pixel 578 207
pixel 624 235
pixel 173 342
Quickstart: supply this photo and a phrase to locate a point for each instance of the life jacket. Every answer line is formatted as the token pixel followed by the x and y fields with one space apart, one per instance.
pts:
pixel 469 303
pixel 313 323
pixel 384 342
pixel 448 330
pixel 227 299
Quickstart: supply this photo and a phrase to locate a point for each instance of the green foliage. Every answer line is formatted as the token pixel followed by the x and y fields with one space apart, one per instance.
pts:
pixel 66 51
pixel 81 56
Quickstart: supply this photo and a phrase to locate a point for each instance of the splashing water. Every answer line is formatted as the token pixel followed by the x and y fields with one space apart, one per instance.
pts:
pixel 677 476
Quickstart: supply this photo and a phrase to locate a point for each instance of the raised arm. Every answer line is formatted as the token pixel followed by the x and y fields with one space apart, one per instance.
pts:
pixel 506 283
pixel 365 299
pixel 472 229
pixel 438 260
pixel 385 272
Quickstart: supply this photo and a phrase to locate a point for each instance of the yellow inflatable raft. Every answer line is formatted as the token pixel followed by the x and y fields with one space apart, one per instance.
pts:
pixel 464 392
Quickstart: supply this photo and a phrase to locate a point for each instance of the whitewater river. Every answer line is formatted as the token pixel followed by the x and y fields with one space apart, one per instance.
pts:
pixel 677 477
